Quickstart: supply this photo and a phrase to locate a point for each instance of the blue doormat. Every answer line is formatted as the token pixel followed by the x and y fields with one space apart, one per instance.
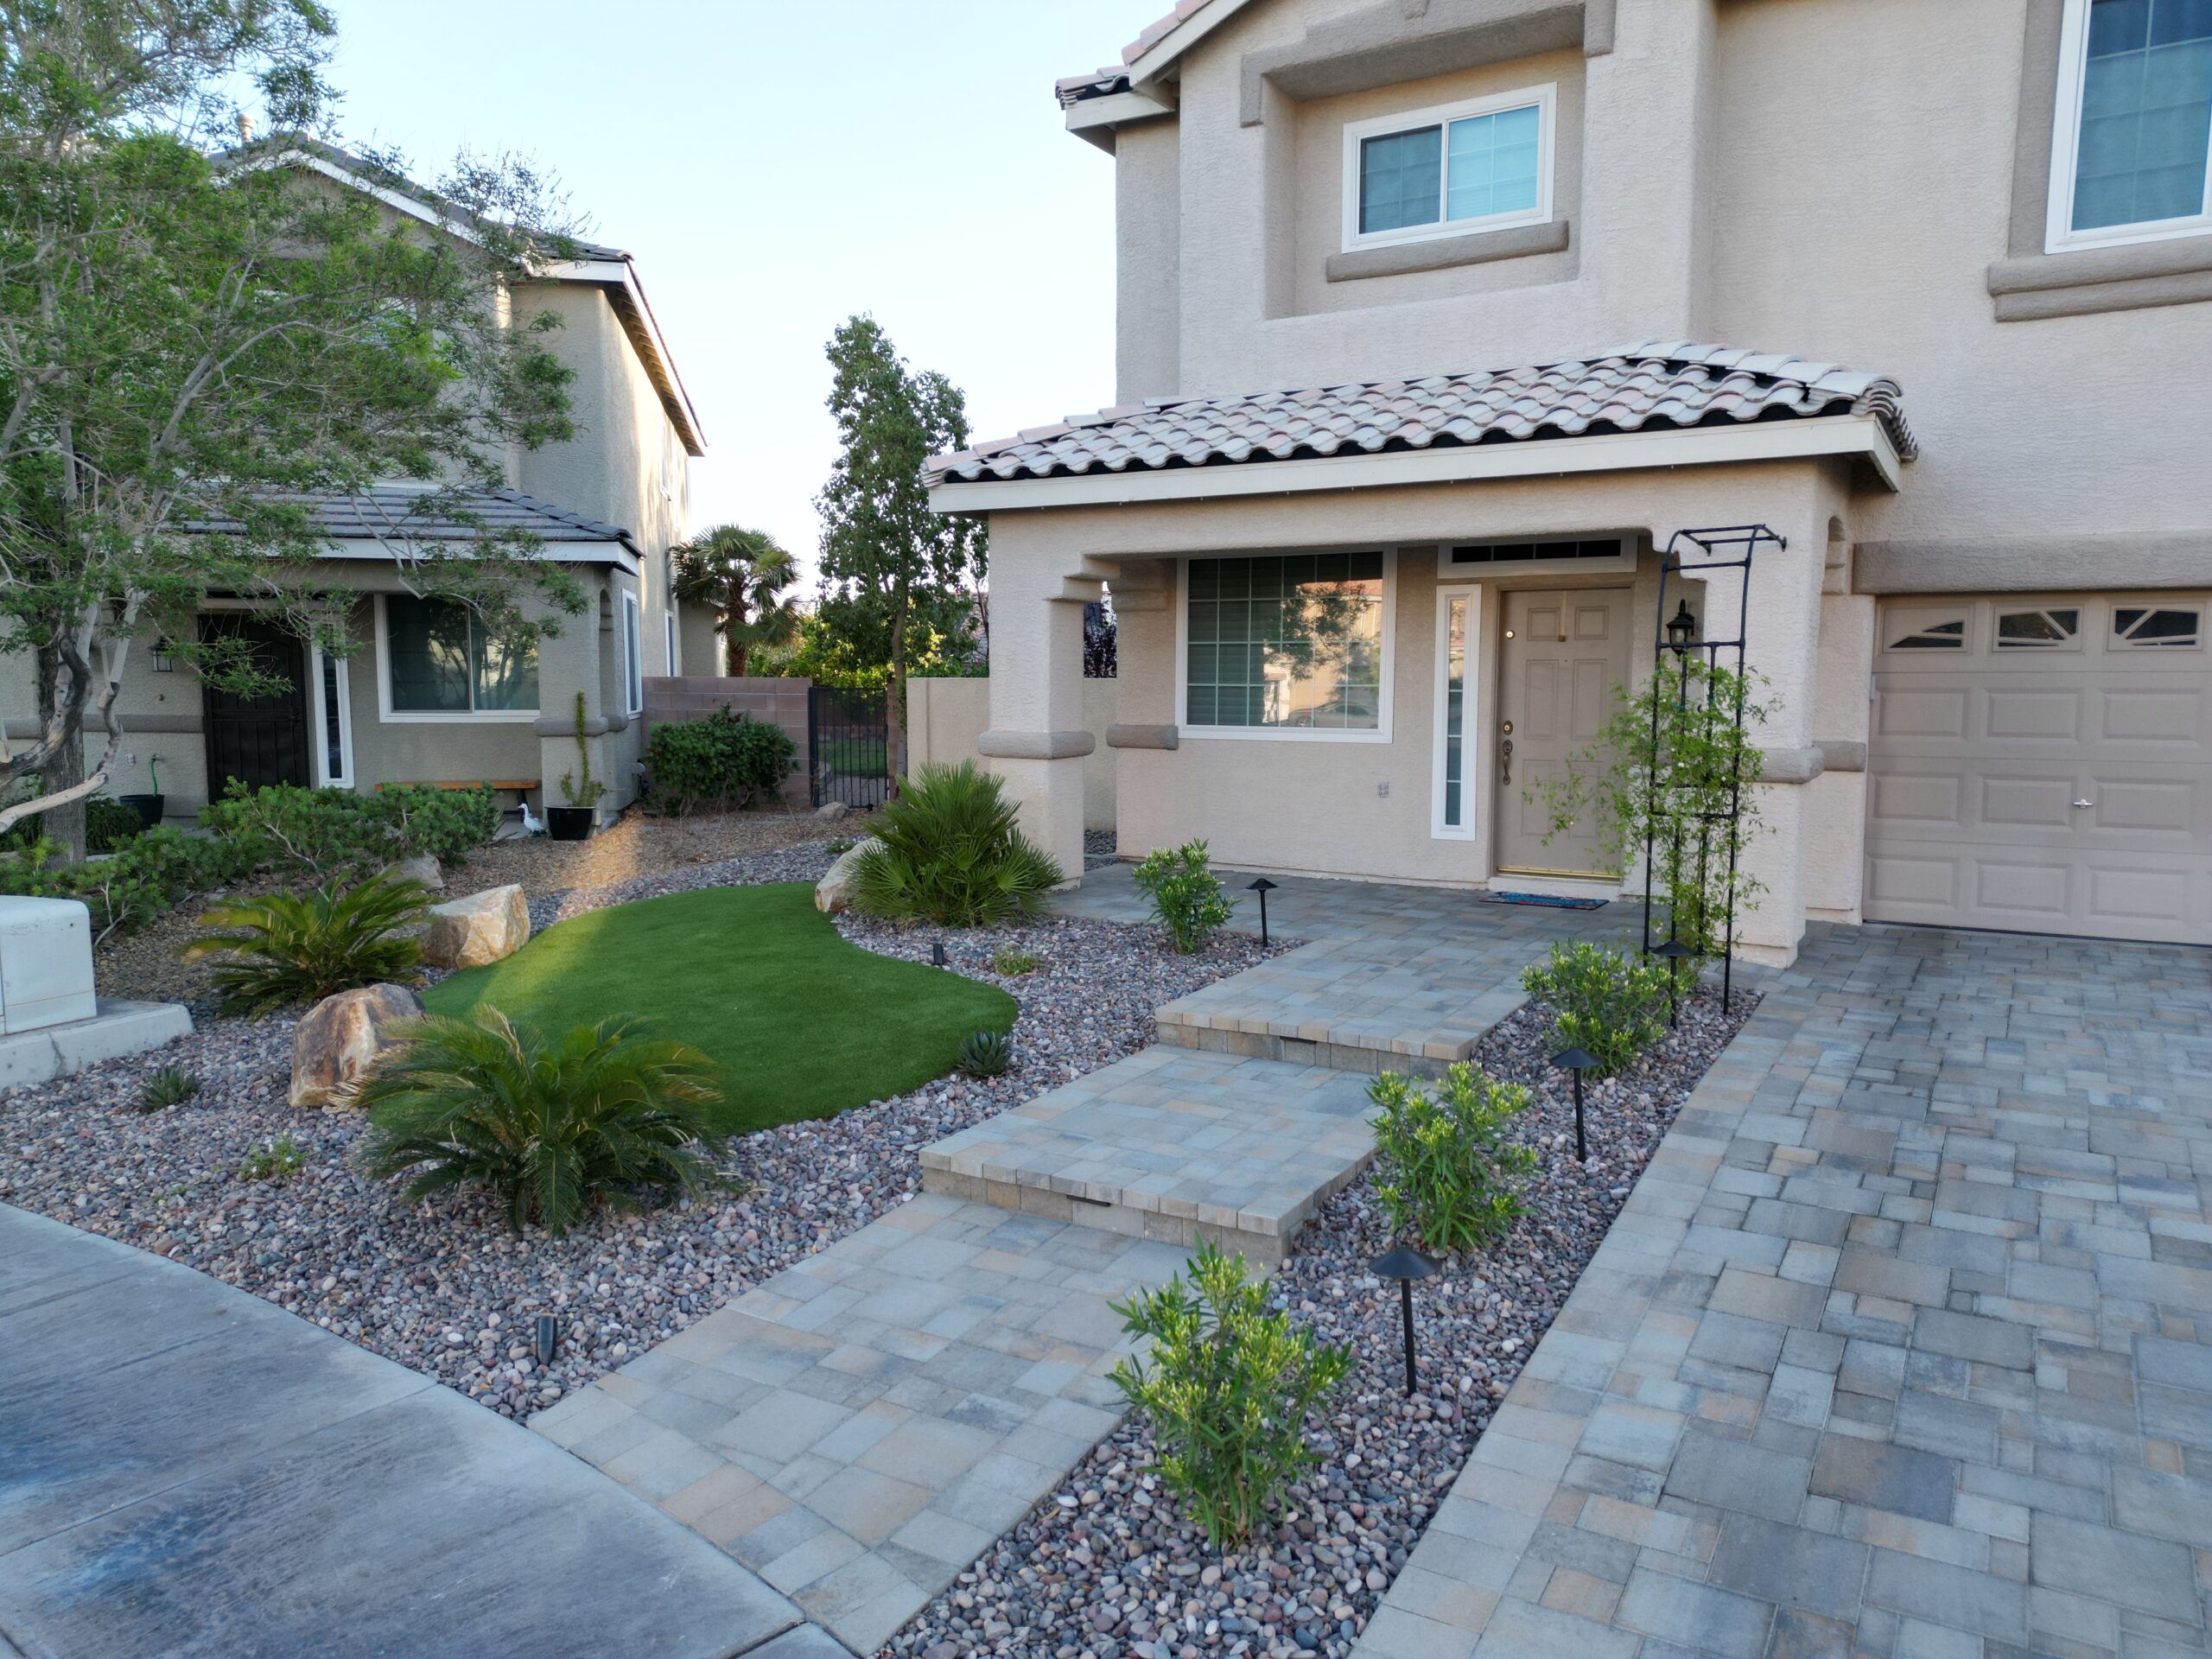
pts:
pixel 1550 900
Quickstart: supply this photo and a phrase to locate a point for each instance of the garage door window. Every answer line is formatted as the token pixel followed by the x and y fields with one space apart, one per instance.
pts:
pixel 1929 634
pixel 2054 629
pixel 2135 628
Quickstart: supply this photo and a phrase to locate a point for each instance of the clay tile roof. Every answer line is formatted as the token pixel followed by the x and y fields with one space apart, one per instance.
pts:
pixel 1656 384
pixel 1113 78
pixel 404 513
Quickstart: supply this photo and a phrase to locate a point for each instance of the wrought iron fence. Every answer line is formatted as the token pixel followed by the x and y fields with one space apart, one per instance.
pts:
pixel 848 747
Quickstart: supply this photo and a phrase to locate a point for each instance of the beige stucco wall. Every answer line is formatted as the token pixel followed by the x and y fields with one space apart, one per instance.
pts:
pixel 945 716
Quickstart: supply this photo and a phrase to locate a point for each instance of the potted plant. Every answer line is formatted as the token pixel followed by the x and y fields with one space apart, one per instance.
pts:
pixel 579 789
pixel 148 807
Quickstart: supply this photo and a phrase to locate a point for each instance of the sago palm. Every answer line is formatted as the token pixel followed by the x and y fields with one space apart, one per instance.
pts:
pixel 291 949
pixel 552 1127
pixel 742 574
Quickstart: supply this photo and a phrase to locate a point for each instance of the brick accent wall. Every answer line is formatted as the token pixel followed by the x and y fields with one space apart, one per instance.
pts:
pixel 690 697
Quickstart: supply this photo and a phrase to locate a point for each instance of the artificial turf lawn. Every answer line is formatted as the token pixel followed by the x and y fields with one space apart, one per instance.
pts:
pixel 802 1023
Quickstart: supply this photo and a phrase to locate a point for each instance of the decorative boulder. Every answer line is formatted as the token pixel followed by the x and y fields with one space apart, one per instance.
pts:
pixel 483 927
pixel 834 892
pixel 342 1037
pixel 830 811
pixel 425 869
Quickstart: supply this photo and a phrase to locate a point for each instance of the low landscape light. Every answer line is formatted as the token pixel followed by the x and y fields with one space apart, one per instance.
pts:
pixel 1405 1264
pixel 1263 887
pixel 1576 1061
pixel 937 953
pixel 1674 950
pixel 548 1337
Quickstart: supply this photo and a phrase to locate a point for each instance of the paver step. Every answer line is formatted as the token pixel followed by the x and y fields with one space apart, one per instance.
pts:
pixel 1170 1144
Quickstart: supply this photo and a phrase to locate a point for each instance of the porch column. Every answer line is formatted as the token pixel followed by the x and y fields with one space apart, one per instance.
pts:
pixel 1037 739
pixel 575 660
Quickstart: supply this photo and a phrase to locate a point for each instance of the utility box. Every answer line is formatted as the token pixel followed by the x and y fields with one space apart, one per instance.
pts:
pixel 46 963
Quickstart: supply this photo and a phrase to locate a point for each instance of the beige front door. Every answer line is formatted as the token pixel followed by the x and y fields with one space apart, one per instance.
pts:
pixel 1563 656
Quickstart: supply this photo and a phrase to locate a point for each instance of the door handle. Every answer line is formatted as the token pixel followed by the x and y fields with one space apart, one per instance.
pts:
pixel 2079 805
pixel 1505 750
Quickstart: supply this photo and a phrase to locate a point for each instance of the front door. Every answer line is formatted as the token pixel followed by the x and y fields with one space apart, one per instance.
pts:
pixel 257 741
pixel 1564 653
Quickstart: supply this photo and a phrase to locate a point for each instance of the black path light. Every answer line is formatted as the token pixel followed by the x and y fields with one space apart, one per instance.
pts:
pixel 937 953
pixel 1405 1264
pixel 1674 950
pixel 548 1337
pixel 1577 1061
pixel 1263 887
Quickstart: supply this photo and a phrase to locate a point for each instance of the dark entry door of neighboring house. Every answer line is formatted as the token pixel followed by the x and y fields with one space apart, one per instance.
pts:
pixel 257 741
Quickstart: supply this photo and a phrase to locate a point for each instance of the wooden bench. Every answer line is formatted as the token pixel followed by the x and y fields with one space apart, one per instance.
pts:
pixel 465 783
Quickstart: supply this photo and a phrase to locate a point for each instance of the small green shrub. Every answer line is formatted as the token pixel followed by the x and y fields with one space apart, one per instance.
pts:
pixel 1602 1000
pixel 292 949
pixel 1187 896
pixel 1227 1391
pixel 325 835
pixel 840 846
pixel 108 824
pixel 986 1054
pixel 274 1159
pixel 552 1127
pixel 950 850
pixel 130 887
pixel 725 761
pixel 1444 1167
pixel 446 824
pixel 170 1086
pixel 1013 964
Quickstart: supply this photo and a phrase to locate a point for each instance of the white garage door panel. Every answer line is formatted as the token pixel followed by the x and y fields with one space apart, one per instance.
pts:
pixel 1980 754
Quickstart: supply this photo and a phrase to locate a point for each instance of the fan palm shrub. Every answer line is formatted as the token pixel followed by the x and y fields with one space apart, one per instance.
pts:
pixel 948 850
pixel 291 949
pixel 553 1126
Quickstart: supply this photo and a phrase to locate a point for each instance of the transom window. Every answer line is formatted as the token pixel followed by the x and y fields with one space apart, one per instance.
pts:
pixel 1513 553
pixel 2140 626
pixel 2132 146
pixel 1292 642
pixel 1481 165
pixel 440 663
pixel 1949 633
pixel 2042 629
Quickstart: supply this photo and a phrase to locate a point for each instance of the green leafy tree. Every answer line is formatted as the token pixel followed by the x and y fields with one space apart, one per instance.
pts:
pixel 741 575
pixel 192 342
pixel 890 567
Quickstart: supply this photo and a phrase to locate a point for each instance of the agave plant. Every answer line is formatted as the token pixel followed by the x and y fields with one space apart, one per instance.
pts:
pixel 290 949
pixel 985 1053
pixel 553 1126
pixel 948 850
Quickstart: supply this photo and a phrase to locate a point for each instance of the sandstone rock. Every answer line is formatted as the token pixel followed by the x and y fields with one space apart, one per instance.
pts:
pixel 833 892
pixel 830 811
pixel 483 927
pixel 425 869
pixel 342 1037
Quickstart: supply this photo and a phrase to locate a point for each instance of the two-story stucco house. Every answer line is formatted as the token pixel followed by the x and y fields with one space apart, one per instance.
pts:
pixel 1925 291
pixel 423 697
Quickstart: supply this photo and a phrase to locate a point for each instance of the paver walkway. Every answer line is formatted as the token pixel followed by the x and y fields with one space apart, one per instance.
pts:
pixel 186 1470
pixel 1901 1350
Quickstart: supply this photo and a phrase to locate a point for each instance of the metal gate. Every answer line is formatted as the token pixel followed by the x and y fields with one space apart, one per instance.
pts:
pixel 848 746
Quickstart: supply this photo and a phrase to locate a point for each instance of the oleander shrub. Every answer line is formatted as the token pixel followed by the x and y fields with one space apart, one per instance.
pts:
pixel 290 949
pixel 723 761
pixel 552 1127
pixel 949 849
pixel 1226 1391
pixel 1187 896
pixel 1603 1000
pixel 1446 1168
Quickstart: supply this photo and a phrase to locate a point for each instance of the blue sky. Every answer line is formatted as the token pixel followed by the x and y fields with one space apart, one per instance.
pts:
pixel 776 165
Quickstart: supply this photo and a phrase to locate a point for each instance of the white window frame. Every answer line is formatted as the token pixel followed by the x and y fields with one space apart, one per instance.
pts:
pixel 2059 234
pixel 633 655
pixel 1623 561
pixel 390 717
pixel 668 629
pixel 1545 98
pixel 1286 734
pixel 317 659
pixel 1471 597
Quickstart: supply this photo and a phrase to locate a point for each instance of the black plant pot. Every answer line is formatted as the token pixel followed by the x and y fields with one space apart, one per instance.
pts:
pixel 148 807
pixel 569 822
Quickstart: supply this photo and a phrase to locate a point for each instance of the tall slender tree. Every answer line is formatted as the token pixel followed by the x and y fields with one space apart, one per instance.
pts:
pixel 889 565
pixel 194 343
pixel 742 576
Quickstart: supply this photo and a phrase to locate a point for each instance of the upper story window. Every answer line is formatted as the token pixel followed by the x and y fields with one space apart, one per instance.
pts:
pixel 1479 165
pixel 2132 146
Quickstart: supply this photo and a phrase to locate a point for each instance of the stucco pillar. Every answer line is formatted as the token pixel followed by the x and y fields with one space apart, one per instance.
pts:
pixel 1037 737
pixel 575 659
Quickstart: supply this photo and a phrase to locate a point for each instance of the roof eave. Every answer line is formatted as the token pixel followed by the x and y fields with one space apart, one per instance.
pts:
pixel 627 295
pixel 620 551
pixel 1094 119
pixel 1807 437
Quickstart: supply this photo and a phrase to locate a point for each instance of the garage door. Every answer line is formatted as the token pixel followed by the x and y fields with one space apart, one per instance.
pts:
pixel 2043 764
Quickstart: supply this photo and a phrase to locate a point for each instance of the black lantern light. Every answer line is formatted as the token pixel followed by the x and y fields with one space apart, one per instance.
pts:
pixel 1405 1264
pixel 1576 1061
pixel 1674 950
pixel 548 1337
pixel 937 953
pixel 1263 887
pixel 1681 628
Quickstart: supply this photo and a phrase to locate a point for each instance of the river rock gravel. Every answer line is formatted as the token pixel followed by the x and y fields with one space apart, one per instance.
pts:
pixel 445 1288
pixel 1108 1567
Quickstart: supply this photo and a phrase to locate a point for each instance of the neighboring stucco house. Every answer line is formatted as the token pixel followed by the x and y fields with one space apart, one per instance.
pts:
pixel 424 698
pixel 1355 550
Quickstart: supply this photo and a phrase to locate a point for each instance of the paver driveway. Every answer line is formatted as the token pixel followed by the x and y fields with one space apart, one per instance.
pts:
pixel 1903 1347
